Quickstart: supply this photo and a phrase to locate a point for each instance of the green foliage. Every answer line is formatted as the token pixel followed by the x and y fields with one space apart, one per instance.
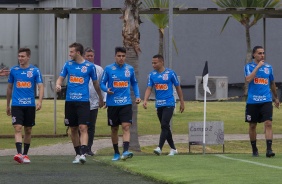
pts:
pixel 244 19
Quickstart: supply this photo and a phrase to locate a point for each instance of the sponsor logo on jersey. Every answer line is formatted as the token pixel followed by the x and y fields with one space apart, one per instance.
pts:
pixel 127 73
pixel 23 84
pixel 161 86
pixel 259 98
pixel 78 80
pixel 24 101
pixel 84 69
pixel 75 96
pixel 120 84
pixel 120 100
pixel 266 70
pixel 165 76
pixel 29 74
pixel 260 81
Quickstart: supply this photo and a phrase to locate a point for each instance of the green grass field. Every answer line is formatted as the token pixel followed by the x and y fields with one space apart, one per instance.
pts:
pixel 203 169
pixel 231 113
pixel 235 166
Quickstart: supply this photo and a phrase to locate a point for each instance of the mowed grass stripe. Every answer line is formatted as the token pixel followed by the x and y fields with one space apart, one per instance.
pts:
pixel 251 162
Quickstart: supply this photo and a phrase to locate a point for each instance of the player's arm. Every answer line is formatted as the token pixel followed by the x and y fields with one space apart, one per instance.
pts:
pixel 9 96
pixel 59 83
pixel 40 96
pixel 98 91
pixel 181 99
pixel 252 75
pixel 146 96
pixel 274 92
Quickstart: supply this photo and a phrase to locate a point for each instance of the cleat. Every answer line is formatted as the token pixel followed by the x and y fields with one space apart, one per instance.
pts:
pixel 158 151
pixel 18 158
pixel 116 157
pixel 82 159
pixel 26 159
pixel 90 153
pixel 76 159
pixel 255 153
pixel 126 155
pixel 173 152
pixel 269 153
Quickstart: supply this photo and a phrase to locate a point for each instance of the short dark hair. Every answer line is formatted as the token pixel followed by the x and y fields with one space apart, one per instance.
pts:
pixel 89 49
pixel 26 50
pixel 255 49
pixel 78 47
pixel 120 49
pixel 159 56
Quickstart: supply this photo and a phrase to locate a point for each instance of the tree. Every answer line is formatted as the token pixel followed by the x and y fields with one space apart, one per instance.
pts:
pixel 247 20
pixel 131 37
pixel 160 20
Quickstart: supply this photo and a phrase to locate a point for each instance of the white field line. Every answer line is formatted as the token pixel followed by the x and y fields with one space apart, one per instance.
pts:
pixel 251 162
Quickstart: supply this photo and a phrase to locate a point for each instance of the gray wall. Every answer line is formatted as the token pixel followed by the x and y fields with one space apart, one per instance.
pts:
pixel 197 37
pixel 198 40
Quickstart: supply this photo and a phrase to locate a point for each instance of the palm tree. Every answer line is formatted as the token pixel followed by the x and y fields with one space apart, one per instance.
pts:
pixel 160 20
pixel 247 20
pixel 131 36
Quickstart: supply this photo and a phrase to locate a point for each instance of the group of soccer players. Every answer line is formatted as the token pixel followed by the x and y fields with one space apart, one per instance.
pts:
pixel 81 74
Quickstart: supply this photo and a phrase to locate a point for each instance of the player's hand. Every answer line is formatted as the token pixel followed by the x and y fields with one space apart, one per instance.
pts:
pixel 38 106
pixel 261 63
pixel 109 91
pixel 8 111
pixel 101 103
pixel 105 105
pixel 138 100
pixel 277 103
pixel 58 87
pixel 182 107
pixel 145 104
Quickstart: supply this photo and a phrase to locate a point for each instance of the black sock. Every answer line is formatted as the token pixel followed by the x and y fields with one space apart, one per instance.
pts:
pixel 77 150
pixel 26 147
pixel 125 146
pixel 83 149
pixel 268 144
pixel 254 146
pixel 116 148
pixel 19 147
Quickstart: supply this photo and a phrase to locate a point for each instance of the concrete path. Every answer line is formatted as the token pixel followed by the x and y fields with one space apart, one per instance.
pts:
pixel 147 140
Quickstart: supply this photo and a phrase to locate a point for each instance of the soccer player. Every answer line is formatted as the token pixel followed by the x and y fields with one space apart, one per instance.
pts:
pixel 259 75
pixel 89 55
pixel 77 113
pixel 163 80
pixel 22 82
pixel 116 81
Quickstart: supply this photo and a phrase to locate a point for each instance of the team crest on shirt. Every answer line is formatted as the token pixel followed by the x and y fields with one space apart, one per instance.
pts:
pixel 70 63
pixel 29 74
pixel 127 73
pixel 165 76
pixel 114 68
pixel 87 64
pixel 84 69
pixel 266 70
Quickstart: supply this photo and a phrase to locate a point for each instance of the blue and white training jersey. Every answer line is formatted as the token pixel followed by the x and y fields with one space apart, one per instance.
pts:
pixel 24 82
pixel 119 79
pixel 78 79
pixel 163 83
pixel 259 88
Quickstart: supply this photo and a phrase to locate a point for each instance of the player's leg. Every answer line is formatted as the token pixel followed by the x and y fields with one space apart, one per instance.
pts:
pixel 113 122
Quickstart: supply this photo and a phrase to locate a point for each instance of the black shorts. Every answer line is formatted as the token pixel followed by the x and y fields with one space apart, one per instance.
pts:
pixel 257 113
pixel 119 114
pixel 77 113
pixel 23 115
